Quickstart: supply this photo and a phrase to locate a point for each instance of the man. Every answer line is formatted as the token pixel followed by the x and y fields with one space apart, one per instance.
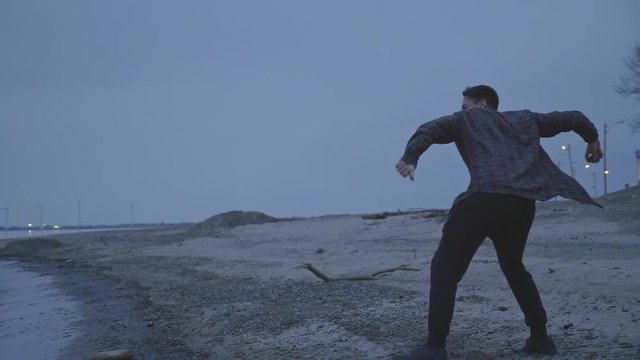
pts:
pixel 509 172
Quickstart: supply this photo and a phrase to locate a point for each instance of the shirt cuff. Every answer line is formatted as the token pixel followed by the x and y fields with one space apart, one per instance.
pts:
pixel 410 159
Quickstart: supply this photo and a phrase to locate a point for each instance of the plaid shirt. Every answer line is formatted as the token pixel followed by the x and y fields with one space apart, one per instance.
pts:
pixel 502 151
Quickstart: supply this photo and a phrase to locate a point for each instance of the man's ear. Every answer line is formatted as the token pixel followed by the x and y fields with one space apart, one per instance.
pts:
pixel 482 103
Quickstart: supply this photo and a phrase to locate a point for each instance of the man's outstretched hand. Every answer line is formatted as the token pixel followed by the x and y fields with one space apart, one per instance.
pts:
pixel 594 153
pixel 405 169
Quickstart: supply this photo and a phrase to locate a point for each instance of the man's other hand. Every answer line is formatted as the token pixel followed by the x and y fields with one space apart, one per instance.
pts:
pixel 594 153
pixel 405 169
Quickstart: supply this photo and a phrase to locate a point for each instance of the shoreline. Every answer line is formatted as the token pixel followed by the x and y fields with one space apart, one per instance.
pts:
pixel 38 319
pixel 114 314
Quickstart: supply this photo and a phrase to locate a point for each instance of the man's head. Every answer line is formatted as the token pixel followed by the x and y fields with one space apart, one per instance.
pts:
pixel 480 97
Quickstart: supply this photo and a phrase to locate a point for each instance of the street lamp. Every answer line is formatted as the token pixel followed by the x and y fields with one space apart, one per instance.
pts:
pixel 568 148
pixel 593 174
pixel 606 170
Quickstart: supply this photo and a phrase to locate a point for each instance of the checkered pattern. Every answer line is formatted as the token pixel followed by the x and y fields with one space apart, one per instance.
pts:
pixel 502 151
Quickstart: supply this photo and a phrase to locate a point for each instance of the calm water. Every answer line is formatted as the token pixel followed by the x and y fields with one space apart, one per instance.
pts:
pixel 36 319
pixel 38 233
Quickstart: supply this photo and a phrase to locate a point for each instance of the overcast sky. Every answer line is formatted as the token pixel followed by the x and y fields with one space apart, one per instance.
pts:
pixel 293 108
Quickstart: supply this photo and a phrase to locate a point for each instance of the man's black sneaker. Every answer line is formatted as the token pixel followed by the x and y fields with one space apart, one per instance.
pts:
pixel 540 346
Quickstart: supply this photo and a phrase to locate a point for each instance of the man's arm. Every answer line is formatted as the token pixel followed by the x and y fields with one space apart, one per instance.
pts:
pixel 440 131
pixel 553 123
pixel 556 122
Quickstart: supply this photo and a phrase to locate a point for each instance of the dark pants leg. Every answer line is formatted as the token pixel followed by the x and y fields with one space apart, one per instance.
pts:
pixel 509 240
pixel 507 220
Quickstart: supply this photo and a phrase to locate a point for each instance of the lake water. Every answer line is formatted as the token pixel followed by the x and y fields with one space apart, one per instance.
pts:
pixel 36 233
pixel 36 319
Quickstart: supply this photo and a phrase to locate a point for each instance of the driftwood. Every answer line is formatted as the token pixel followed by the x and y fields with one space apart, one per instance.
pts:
pixel 373 276
pixel 113 355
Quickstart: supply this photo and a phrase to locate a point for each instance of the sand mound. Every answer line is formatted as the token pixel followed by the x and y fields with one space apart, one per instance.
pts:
pixel 621 207
pixel 30 247
pixel 233 219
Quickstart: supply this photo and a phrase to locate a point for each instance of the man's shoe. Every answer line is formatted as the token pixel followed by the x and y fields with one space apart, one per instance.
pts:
pixel 423 352
pixel 540 346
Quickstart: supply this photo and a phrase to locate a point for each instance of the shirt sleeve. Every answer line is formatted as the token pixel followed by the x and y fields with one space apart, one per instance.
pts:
pixel 439 131
pixel 556 122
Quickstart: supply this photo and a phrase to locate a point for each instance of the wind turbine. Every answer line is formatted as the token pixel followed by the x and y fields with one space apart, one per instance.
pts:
pixel 131 206
pixel 79 212
pixel 41 215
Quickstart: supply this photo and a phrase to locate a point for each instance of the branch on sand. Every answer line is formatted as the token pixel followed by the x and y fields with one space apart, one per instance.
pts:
pixel 373 276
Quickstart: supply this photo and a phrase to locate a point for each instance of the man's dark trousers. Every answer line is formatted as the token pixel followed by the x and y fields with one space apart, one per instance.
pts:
pixel 506 220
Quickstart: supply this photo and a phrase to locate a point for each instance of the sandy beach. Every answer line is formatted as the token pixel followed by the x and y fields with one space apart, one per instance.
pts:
pixel 218 292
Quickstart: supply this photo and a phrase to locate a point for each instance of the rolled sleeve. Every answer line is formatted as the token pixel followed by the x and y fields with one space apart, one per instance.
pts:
pixel 439 131
pixel 553 123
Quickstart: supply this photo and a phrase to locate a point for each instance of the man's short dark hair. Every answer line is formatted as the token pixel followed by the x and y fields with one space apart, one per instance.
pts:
pixel 480 92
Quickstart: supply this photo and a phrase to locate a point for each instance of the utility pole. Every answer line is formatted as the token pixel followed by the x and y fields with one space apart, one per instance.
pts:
pixel 604 157
pixel 568 148
pixel 637 168
pixel 79 212
pixel 606 170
